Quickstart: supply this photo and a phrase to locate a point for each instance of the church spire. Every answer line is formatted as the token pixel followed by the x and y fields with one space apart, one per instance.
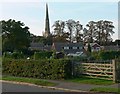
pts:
pixel 47 24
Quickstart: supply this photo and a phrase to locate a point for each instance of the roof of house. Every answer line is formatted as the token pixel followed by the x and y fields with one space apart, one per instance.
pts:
pixel 59 47
pixel 48 47
pixel 92 44
pixel 36 46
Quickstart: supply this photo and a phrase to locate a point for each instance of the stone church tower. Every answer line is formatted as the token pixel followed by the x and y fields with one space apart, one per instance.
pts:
pixel 47 24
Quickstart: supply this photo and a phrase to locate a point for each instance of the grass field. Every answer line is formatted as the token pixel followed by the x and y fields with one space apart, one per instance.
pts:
pixel 106 90
pixel 28 80
pixel 88 80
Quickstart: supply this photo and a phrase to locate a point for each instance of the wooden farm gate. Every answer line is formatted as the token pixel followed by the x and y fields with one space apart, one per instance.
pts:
pixel 102 70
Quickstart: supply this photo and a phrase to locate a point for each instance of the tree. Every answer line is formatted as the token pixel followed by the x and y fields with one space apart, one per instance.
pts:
pixel 15 35
pixel 71 26
pixel 108 30
pixel 100 32
pixel 78 35
pixel 58 27
pixel 89 33
pixel 104 32
pixel 89 48
pixel 58 33
pixel 117 42
pixel 38 39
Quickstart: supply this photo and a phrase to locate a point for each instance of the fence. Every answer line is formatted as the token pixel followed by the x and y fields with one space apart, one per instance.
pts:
pixel 103 70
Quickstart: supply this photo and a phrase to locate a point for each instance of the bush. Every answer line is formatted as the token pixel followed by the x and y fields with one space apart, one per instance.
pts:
pixel 77 58
pixel 43 69
pixel 118 70
pixel 14 55
pixel 106 55
pixel 42 55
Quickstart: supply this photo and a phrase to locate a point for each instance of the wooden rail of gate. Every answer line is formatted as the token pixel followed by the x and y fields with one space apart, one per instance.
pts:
pixel 100 70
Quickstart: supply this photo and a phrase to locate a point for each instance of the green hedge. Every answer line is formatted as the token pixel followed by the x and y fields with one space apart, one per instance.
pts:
pixel 14 55
pixel 106 55
pixel 44 69
pixel 42 55
pixel 118 70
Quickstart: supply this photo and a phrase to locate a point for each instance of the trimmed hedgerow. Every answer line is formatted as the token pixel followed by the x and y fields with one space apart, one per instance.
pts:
pixel 14 55
pixel 106 55
pixel 42 55
pixel 43 69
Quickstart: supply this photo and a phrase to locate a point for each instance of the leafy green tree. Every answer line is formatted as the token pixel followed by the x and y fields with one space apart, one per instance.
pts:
pixel 89 48
pixel 37 39
pixel 67 31
pixel 58 28
pixel 100 32
pixel 117 42
pixel 104 32
pixel 78 34
pixel 15 35
pixel 59 34
pixel 89 32
pixel 71 26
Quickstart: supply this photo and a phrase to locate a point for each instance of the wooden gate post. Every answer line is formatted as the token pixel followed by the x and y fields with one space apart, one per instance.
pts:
pixel 114 70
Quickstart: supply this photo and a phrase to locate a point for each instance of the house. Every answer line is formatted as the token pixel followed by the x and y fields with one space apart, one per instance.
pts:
pixel 39 47
pixel 111 48
pixel 36 46
pixel 68 48
pixel 94 47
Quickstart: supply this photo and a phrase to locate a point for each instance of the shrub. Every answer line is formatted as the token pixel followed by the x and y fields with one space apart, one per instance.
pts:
pixel 106 55
pixel 42 55
pixel 14 55
pixel 44 69
pixel 77 58
pixel 118 70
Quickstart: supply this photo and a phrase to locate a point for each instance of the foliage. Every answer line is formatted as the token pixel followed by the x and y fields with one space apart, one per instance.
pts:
pixel 59 27
pixel 48 40
pixel 42 68
pixel 89 48
pixel 95 31
pixel 100 32
pixel 78 58
pixel 118 69
pixel 72 33
pixel 37 39
pixel 0 43
pixel 117 42
pixel 15 35
pixel 60 55
pixel 106 90
pixel 14 55
pixel 42 55
pixel 106 55
pixel 89 33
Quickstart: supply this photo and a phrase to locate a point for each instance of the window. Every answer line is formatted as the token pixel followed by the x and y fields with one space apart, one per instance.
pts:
pixel 74 47
pixel 66 48
pixel 80 47
pixel 97 48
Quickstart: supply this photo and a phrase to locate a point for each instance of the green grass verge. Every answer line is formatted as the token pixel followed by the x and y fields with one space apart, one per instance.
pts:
pixel 106 90
pixel 29 80
pixel 88 80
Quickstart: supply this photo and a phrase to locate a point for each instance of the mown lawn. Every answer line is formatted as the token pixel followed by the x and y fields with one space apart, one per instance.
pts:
pixel 29 80
pixel 88 80
pixel 106 90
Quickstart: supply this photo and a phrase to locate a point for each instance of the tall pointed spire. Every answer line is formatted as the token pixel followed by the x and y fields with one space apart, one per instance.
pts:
pixel 47 24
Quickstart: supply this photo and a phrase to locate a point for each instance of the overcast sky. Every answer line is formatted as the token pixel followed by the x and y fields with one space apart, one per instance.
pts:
pixel 33 13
